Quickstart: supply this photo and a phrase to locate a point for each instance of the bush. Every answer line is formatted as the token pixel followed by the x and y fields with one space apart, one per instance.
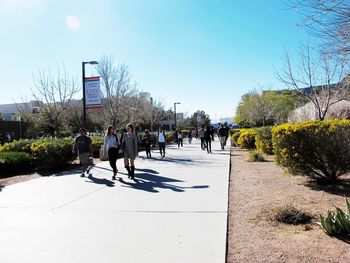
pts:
pixel 246 138
pixel 15 162
pixel 318 149
pixel 263 140
pixel 233 131
pixel 17 146
pixel 256 156
pixel 97 142
pixel 169 137
pixel 336 224
pixel 292 216
pixel 52 153
pixel 234 138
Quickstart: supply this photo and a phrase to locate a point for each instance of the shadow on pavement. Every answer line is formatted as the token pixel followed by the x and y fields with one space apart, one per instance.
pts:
pixel 104 181
pixel 151 183
pixel 147 171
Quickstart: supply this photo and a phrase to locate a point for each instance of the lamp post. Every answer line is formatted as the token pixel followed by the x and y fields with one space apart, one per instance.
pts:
pixel 175 111
pixel 83 77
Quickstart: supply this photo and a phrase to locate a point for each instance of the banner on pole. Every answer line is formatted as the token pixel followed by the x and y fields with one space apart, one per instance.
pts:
pixel 92 93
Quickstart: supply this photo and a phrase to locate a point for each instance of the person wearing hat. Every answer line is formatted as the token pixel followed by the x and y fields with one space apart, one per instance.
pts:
pixel 83 145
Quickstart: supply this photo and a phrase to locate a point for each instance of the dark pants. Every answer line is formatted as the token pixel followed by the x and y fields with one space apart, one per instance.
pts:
pixel 180 142
pixel 112 156
pixel 162 148
pixel 203 143
pixel 148 150
pixel 208 145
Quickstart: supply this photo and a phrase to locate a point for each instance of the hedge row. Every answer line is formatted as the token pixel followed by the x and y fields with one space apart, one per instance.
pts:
pixel 318 149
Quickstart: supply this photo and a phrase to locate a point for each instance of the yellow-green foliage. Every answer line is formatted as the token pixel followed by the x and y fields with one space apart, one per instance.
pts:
pixel 263 140
pixel 15 162
pixel 17 146
pixel 185 132
pixel 97 141
pixel 246 138
pixel 319 149
pixel 256 156
pixel 234 137
pixel 52 153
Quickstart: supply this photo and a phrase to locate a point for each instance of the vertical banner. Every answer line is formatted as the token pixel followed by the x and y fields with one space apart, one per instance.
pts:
pixel 92 93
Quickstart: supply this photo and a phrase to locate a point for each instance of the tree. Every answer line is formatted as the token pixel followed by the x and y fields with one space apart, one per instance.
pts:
pixel 205 119
pixel 319 77
pixel 51 97
pixel 264 108
pixel 118 91
pixel 327 19
pixel 150 113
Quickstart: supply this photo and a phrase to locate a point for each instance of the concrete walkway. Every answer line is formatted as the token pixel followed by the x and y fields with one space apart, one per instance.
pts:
pixel 175 211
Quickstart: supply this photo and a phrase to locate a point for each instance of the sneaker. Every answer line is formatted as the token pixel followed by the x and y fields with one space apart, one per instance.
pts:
pixel 114 178
pixel 82 175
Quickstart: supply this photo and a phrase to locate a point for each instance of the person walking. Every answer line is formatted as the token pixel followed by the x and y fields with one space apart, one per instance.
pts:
pixel 201 136
pixel 180 139
pixel 190 136
pixel 207 138
pixel 129 146
pixel 222 136
pixel 161 142
pixel 146 141
pixel 83 146
pixel 111 146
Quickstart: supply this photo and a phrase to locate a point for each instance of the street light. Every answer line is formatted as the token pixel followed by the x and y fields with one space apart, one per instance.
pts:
pixel 83 77
pixel 175 111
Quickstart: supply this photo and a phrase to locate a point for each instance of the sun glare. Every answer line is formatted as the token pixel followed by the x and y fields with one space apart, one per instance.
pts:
pixel 72 22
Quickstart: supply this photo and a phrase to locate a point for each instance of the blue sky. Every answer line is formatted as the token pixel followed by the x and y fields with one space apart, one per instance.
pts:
pixel 203 53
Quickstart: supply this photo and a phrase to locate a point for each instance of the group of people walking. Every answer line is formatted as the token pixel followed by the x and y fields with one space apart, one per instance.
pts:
pixel 128 142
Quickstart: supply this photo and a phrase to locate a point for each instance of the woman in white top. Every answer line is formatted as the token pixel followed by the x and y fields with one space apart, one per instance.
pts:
pixel 112 144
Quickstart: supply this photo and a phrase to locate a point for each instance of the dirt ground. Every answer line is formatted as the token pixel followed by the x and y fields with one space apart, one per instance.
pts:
pixel 13 179
pixel 256 189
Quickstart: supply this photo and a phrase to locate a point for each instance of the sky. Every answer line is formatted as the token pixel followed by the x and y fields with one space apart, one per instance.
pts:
pixel 204 54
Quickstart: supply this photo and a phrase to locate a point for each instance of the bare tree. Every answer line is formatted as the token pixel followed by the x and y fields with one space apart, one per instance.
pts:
pixel 319 78
pixel 327 19
pixel 51 97
pixel 118 89
pixel 151 113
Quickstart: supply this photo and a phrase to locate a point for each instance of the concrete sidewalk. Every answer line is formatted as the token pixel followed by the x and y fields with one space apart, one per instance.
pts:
pixel 175 211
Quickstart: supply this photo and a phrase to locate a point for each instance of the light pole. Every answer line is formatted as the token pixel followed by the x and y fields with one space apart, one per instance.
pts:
pixel 175 111
pixel 83 77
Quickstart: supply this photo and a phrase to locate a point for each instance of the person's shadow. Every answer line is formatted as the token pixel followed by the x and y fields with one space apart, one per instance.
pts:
pixel 151 181
pixel 104 181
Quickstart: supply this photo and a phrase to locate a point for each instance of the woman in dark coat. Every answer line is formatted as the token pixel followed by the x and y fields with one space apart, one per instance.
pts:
pixel 130 150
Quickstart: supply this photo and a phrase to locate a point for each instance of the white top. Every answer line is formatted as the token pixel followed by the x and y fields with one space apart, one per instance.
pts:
pixel 180 136
pixel 161 137
pixel 111 141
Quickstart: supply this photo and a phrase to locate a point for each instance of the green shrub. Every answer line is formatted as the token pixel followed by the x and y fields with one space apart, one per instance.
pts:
pixel 256 156
pixel 233 131
pixel 318 149
pixel 52 153
pixel 291 215
pixel 17 146
pixel 338 223
pixel 234 138
pixel 15 162
pixel 170 137
pixel 97 142
pixel 263 140
pixel 246 139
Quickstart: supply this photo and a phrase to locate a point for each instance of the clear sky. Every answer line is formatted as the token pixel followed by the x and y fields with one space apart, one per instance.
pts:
pixel 203 53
